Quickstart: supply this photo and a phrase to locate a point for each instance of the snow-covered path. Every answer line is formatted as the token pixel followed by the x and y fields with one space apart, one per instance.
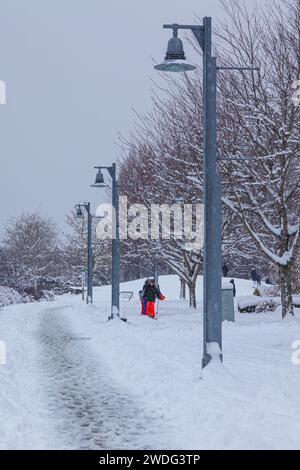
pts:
pixel 88 412
pixel 73 380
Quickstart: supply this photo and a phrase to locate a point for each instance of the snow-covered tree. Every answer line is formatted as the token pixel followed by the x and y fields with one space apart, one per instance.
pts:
pixel 31 252
pixel 76 250
pixel 259 121
pixel 162 166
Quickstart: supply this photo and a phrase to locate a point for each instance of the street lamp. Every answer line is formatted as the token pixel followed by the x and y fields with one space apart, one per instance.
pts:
pixel 115 269
pixel 175 61
pixel 79 215
pixel 212 280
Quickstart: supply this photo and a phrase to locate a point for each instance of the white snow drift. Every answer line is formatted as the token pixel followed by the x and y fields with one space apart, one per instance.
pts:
pixel 74 380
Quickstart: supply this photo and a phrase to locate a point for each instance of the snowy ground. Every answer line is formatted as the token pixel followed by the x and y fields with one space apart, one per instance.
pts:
pixel 73 380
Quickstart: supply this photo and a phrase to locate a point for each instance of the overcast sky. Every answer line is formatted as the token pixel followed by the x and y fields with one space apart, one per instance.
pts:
pixel 74 69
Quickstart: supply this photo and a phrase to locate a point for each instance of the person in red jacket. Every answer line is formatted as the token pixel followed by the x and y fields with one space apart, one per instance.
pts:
pixel 151 293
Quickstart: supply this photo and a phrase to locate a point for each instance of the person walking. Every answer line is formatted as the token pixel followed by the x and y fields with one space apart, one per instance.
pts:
pixel 255 276
pixel 234 287
pixel 225 270
pixel 143 299
pixel 258 279
pixel 151 292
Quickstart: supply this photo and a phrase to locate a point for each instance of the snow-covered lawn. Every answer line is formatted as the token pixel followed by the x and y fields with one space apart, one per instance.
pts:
pixel 73 380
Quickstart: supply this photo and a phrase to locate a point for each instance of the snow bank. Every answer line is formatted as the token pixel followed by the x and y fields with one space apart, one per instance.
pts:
pixel 22 421
pixel 170 286
pixel 242 404
pixel 246 403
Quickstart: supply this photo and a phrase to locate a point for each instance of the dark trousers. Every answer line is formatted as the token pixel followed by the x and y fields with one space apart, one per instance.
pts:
pixel 144 307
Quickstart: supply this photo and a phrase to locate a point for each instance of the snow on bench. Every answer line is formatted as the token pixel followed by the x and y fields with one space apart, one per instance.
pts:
pixel 296 299
pixel 247 304
pixel 253 303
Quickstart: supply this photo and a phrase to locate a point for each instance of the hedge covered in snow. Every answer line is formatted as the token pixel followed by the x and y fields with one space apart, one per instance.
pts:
pixel 9 296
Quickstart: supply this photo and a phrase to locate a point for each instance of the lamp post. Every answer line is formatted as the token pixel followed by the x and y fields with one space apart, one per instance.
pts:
pixel 79 214
pixel 175 61
pixel 115 284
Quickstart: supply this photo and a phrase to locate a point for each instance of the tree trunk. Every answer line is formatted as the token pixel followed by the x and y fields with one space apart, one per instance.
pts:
pixel 182 289
pixel 192 289
pixel 35 286
pixel 286 290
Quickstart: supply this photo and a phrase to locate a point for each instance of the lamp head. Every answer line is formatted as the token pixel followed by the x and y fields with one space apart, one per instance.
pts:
pixel 175 60
pixel 99 181
pixel 79 213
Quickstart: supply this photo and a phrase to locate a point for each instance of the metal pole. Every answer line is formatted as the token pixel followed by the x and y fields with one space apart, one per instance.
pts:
pixel 89 297
pixel 212 277
pixel 212 280
pixel 156 271
pixel 82 286
pixel 115 288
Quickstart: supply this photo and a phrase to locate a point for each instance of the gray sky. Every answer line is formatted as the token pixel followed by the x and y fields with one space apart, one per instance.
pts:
pixel 74 69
